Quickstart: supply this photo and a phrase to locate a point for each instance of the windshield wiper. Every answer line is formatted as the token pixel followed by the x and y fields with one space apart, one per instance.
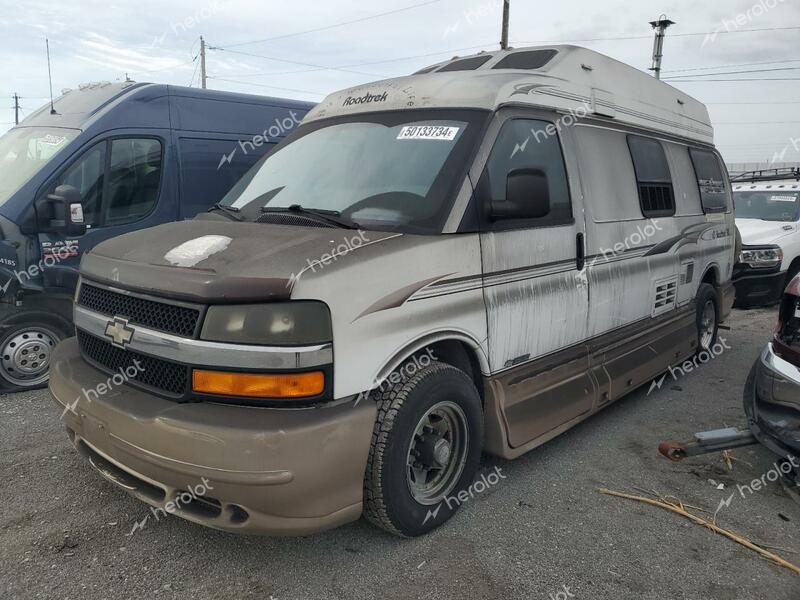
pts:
pixel 230 211
pixel 329 216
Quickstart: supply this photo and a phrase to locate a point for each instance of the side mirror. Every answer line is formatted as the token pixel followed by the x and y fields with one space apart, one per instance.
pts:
pixel 527 196
pixel 67 211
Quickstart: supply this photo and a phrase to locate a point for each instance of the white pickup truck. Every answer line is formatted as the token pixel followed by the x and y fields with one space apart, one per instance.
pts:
pixel 768 219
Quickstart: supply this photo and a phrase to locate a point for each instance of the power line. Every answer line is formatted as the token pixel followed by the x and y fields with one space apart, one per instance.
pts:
pixel 768 62
pixel 341 24
pixel 679 77
pixel 269 86
pixel 374 62
pixel 647 37
pixel 741 79
pixel 166 68
pixel 753 122
pixel 294 62
pixel 749 103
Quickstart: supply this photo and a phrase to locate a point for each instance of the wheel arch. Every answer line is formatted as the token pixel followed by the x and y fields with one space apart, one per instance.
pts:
pixel 455 348
pixel 711 275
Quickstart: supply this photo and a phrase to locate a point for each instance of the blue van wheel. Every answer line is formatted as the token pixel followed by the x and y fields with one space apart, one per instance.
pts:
pixel 25 356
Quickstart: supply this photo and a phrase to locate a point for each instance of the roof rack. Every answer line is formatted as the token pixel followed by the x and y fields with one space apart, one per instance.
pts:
pixel 767 175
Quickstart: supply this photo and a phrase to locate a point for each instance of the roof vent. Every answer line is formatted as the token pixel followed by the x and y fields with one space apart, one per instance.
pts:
pixel 529 59
pixel 466 64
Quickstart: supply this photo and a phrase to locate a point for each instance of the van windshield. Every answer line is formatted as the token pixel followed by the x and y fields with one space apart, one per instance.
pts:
pixel 23 151
pixel 770 205
pixel 393 171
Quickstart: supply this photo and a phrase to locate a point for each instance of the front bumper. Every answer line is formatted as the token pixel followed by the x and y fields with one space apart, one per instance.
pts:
pixel 262 470
pixel 758 289
pixel 772 404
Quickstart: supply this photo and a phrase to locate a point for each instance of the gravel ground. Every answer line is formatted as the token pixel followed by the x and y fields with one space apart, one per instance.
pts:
pixel 542 532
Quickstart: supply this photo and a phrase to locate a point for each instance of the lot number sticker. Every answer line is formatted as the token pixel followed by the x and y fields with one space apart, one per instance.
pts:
pixel 427 132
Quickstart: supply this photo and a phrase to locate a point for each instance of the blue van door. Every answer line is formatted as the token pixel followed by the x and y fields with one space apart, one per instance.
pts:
pixel 125 185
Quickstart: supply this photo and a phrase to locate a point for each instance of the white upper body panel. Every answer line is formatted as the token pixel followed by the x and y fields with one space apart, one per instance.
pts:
pixel 574 80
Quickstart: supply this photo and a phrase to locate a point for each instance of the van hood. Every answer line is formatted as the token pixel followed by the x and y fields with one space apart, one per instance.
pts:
pixel 211 260
pixel 756 232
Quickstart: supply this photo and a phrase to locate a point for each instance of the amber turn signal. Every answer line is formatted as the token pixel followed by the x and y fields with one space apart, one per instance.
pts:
pixel 258 385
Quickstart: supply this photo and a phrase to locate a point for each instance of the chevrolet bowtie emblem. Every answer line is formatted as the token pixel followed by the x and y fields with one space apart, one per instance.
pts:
pixel 119 331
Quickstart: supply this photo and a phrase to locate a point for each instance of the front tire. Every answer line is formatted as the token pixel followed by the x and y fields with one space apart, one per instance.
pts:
pixel 426 448
pixel 25 351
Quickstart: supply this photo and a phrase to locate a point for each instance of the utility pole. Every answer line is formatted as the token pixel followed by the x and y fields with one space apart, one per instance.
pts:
pixel 203 62
pixel 658 44
pixel 504 34
pixel 16 109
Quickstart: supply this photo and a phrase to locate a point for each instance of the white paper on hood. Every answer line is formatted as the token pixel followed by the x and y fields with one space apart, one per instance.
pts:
pixel 189 253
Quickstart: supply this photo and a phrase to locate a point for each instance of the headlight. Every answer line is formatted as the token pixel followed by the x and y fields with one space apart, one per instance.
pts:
pixel 762 257
pixel 296 323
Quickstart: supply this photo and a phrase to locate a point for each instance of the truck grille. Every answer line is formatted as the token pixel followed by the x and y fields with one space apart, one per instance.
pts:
pixel 170 318
pixel 162 375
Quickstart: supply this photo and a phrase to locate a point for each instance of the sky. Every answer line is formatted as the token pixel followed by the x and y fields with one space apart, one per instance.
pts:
pixel 305 49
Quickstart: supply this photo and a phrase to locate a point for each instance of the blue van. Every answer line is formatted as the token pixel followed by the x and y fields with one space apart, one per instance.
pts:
pixel 104 160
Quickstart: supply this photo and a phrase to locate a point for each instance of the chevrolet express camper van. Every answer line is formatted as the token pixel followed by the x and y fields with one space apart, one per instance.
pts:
pixel 472 258
pixel 126 156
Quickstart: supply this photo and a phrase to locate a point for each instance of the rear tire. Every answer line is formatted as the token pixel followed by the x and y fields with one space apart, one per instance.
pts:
pixel 707 317
pixel 426 448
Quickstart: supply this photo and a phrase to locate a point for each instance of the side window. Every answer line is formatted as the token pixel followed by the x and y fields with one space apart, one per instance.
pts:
pixel 529 144
pixel 210 168
pixel 653 177
pixel 87 176
pixel 710 180
pixel 134 177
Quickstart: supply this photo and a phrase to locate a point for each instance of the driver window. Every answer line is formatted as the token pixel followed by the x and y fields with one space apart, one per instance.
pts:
pixel 530 144
pixel 87 175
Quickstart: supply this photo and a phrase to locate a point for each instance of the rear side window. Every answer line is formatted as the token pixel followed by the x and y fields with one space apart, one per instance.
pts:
pixel 134 178
pixel 653 178
pixel 710 180
pixel 210 168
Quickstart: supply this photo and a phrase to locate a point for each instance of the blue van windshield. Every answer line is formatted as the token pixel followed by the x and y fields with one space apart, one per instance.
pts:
pixel 25 150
